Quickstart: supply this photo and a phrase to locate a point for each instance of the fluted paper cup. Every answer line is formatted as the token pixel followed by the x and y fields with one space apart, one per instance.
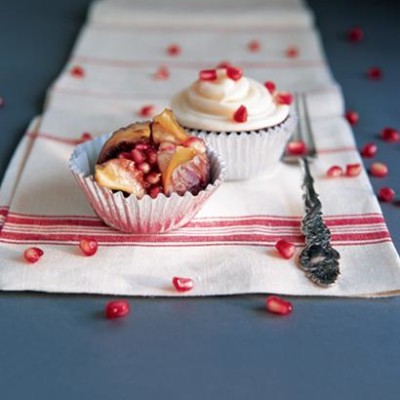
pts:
pixel 249 154
pixel 145 215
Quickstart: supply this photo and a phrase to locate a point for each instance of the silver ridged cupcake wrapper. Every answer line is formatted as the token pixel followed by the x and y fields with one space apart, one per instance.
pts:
pixel 250 154
pixel 145 215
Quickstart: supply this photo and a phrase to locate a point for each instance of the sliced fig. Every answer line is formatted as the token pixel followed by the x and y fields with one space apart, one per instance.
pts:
pixel 165 128
pixel 123 140
pixel 120 174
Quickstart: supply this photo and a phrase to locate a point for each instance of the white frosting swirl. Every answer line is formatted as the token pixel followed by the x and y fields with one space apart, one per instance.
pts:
pixel 210 105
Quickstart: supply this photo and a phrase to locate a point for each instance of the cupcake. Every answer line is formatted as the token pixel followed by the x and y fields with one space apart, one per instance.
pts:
pixel 148 177
pixel 247 122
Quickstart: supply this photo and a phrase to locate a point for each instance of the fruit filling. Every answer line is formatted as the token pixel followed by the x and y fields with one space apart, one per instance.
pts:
pixel 152 158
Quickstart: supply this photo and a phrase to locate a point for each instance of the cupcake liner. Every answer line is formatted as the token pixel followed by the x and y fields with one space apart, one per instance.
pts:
pixel 146 215
pixel 250 153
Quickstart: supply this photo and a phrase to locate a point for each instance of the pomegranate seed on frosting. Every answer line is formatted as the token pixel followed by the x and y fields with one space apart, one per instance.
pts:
pixel 285 248
pixel 292 52
pixel 353 169
pixel 77 72
pixel 240 114
pixel 33 254
pixel 374 73
pixel 88 246
pixel 296 148
pixel 390 135
pixel 174 50
pixel 162 73
pixel 117 309
pixel 355 34
pixel 378 170
pixel 334 172
pixel 386 194
pixel 254 46
pixel 182 284
pixel 234 73
pixel 284 98
pixel 369 150
pixel 271 87
pixel 208 75
pixel 147 111
pixel 277 305
pixel 352 117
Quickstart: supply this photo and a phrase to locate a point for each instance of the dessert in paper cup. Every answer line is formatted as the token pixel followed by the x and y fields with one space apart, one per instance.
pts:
pixel 247 122
pixel 149 177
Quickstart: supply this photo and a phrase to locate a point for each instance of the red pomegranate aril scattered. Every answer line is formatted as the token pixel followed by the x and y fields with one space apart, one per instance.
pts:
pixel 147 111
pixel 174 50
pixel 162 73
pixel 374 73
pixel 240 114
pixel 224 64
pixel 277 305
pixel 386 194
pixel 125 155
pixel 234 73
pixel 334 172
pixel 284 98
pixel 208 75
pixel 292 52
pixel 378 170
pixel 117 309
pixel 285 248
pixel 296 148
pixel 151 156
pixel 88 246
pixel 153 178
pixel 369 150
pixel 352 117
pixel 355 34
pixel 137 155
pixel 155 191
pixel 144 167
pixel 254 46
pixel 353 169
pixel 86 136
pixel 390 135
pixel 182 284
pixel 271 87
pixel 77 72
pixel 33 254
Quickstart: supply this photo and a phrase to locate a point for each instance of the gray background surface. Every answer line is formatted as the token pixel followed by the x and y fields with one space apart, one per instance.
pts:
pixel 60 347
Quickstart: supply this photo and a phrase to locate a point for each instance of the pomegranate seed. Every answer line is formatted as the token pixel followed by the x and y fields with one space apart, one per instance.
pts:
pixel 285 248
pixel 33 254
pixel 378 170
pixel 334 172
pixel 174 50
pixel 386 194
pixel 153 178
pixel 284 98
pixel 374 73
pixel 234 73
pixel 277 305
pixel 146 111
pixel 125 155
pixel 369 150
pixel 224 64
pixel 162 73
pixel 2 102
pixel 208 75
pixel 292 52
pixel 353 169
pixel 86 136
pixel 352 117
pixel 117 309
pixel 240 114
pixel 77 72
pixel 296 148
pixel 151 156
pixel 390 135
pixel 155 191
pixel 195 143
pixel 144 167
pixel 137 156
pixel 182 284
pixel 142 146
pixel 88 246
pixel 355 34
pixel 270 86
pixel 254 46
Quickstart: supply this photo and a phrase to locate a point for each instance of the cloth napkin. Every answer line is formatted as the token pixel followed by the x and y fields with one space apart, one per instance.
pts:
pixel 229 247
